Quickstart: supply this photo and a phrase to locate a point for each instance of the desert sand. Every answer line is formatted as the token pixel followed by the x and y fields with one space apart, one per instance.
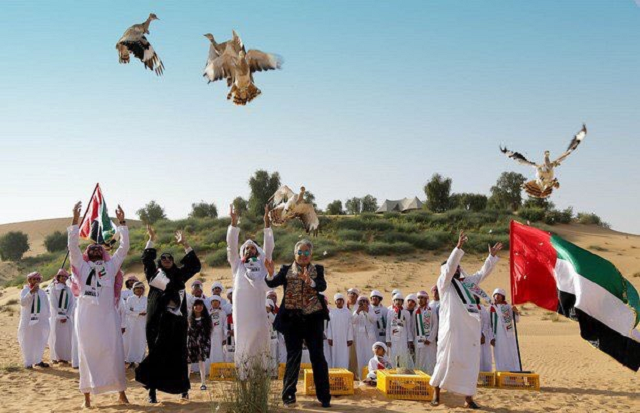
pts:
pixel 574 376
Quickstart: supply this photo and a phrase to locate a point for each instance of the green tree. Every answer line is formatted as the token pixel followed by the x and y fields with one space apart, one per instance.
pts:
pixel 369 203
pixel 438 190
pixel 354 206
pixel 56 241
pixel 151 213
pixel 240 205
pixel 542 203
pixel 262 185
pixel 13 245
pixel 310 198
pixel 507 192
pixel 203 210
pixel 335 208
pixel 470 202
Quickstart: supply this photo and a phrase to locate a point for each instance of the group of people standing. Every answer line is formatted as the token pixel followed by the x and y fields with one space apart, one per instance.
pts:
pixel 89 321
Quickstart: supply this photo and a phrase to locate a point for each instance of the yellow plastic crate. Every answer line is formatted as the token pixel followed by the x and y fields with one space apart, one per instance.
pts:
pixel 303 367
pixel 222 372
pixel 340 382
pixel 519 381
pixel 405 386
pixel 487 379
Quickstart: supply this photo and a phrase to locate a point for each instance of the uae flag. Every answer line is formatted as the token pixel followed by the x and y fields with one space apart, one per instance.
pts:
pixel 560 276
pixel 96 224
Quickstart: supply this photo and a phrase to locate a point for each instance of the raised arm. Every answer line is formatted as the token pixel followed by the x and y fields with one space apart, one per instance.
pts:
pixel 149 255
pixel 233 233
pixel 448 270
pixel 190 262
pixel 488 266
pixel 75 255
pixel 123 248
pixel 269 242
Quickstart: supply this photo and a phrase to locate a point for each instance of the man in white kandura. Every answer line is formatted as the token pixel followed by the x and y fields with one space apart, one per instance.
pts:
pixel 100 346
pixel 340 333
pixel 61 304
pixel 252 333
pixel 505 348
pixel 459 330
pixel 364 332
pixel 33 330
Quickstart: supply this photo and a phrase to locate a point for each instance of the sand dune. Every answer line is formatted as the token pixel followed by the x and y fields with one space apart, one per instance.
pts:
pixel 575 377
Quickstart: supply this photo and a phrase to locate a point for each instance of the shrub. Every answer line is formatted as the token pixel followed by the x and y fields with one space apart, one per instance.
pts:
pixel 350 235
pixel 218 235
pixel 469 202
pixel 217 258
pixel 385 248
pixel 591 219
pixel 203 210
pixel 13 245
pixel 56 241
pixel 335 208
pixel 532 214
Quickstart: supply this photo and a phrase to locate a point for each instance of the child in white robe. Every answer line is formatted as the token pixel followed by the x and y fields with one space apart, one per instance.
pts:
pixel 426 330
pixel 399 333
pixel 273 334
pixel 505 350
pixel 61 303
pixel 486 356
pixel 377 362
pixel 219 330
pixel 33 329
pixel 364 333
pixel 340 333
pixel 380 312
pixel 135 338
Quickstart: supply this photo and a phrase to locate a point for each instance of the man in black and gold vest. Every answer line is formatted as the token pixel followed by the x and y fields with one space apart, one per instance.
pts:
pixel 301 317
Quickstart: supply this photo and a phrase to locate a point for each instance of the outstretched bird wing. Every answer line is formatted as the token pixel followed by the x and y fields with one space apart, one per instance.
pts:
pixel 307 214
pixel 282 194
pixel 517 156
pixel 220 67
pixel 259 61
pixel 573 145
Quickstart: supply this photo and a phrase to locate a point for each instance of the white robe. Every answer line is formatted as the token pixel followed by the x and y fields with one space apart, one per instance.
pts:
pixel 61 305
pixel 326 346
pixel 380 312
pixel 399 334
pixel 427 331
pixel 273 345
pixel 458 360
pixel 218 335
pixel 506 348
pixel 340 330
pixel 364 333
pixel 135 338
pixel 486 356
pixel 249 289
pixel 33 329
pixel 98 323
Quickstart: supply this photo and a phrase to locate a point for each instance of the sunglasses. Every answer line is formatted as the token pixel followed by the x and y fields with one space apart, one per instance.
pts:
pixel 305 253
pixel 166 257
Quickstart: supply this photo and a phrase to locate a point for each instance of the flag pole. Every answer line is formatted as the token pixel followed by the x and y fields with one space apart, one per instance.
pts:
pixel 515 330
pixel 83 217
pixel 511 272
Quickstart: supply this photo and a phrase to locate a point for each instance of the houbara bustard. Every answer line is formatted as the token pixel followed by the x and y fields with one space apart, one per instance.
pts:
pixel 545 181
pixel 230 60
pixel 288 205
pixel 134 41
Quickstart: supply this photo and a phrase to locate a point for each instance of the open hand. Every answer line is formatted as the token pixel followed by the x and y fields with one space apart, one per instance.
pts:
pixel 120 214
pixel 180 237
pixel 151 233
pixel 234 216
pixel 267 218
pixel 494 250
pixel 76 212
pixel 270 267
pixel 462 239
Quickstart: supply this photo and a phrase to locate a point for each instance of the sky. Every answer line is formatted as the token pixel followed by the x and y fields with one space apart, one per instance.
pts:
pixel 374 98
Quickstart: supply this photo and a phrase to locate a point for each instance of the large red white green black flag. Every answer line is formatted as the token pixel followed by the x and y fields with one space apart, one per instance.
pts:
pixel 96 224
pixel 560 276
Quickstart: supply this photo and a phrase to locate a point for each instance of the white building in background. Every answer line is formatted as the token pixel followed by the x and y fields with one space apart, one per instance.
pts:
pixel 401 205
